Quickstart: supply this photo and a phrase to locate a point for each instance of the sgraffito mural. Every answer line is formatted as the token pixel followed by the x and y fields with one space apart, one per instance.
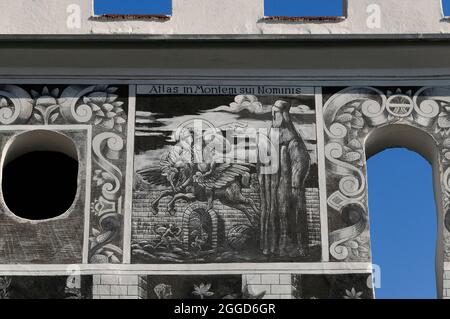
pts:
pixel 46 287
pixel 95 118
pixel 194 287
pixel 350 114
pixel 225 178
pixel 341 286
pixel 219 176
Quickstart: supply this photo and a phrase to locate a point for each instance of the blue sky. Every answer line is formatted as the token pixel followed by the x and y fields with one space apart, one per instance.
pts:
pixel 272 7
pixel 401 203
pixel 403 223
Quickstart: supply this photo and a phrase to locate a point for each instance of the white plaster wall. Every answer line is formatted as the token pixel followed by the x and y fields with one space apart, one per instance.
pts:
pixel 230 17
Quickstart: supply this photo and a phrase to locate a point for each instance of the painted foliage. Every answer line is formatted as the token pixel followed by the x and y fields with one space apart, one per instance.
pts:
pixel 227 177
pixel 194 287
pixel 342 286
pixel 46 287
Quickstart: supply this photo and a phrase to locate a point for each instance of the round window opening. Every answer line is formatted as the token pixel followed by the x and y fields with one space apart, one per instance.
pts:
pixel 40 174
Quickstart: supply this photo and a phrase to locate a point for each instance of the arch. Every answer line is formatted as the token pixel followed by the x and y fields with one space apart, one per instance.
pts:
pixel 403 223
pixel 194 207
pixel 361 121
pixel 424 144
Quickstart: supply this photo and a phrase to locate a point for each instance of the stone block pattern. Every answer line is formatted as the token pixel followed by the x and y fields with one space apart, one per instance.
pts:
pixel 276 286
pixel 446 286
pixel 313 211
pixel 144 221
pixel 118 287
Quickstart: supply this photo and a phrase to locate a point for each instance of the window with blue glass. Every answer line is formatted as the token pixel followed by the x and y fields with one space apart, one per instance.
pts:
pixel 446 7
pixel 304 8
pixel 133 7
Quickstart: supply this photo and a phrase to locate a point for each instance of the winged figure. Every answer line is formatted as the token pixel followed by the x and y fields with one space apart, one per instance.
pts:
pixel 190 173
pixel 203 182
pixel 175 172
pixel 224 181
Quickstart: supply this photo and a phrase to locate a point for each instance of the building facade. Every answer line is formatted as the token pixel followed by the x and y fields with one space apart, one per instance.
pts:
pixel 222 153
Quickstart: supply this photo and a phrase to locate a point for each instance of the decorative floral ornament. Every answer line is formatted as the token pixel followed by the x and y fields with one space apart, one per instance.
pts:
pixel 352 294
pixel 100 206
pixel 353 152
pixel 46 105
pixel 352 118
pixel 202 290
pixel 101 177
pixel 443 122
pixel 446 150
pixel 399 105
pixel 108 112
pixel 359 247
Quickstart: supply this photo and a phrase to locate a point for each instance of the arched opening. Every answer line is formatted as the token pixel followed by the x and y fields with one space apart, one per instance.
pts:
pixel 404 229
pixel 403 226
pixel 40 175
pixel 200 230
pixel 199 227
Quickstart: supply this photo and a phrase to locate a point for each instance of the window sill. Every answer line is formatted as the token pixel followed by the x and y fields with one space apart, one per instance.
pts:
pixel 286 19
pixel 131 17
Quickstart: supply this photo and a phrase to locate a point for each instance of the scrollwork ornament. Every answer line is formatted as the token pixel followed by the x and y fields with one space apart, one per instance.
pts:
pixel 111 144
pixel 70 107
pixel 16 105
pixel 354 214
pixel 349 185
pixel 110 224
pixel 426 109
pixel 374 111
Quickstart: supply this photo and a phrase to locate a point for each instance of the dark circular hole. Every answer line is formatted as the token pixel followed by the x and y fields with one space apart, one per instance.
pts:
pixel 40 185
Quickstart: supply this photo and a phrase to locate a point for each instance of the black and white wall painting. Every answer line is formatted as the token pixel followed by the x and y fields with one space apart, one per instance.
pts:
pixel 46 287
pixel 225 174
pixel 194 287
pixel 339 286
pixel 350 115
pixel 94 118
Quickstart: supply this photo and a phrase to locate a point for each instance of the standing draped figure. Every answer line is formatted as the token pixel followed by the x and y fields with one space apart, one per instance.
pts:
pixel 283 224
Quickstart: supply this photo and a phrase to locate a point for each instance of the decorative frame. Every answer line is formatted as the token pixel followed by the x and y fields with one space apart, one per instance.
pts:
pixel 350 115
pixel 62 225
pixel 151 215
pixel 105 109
